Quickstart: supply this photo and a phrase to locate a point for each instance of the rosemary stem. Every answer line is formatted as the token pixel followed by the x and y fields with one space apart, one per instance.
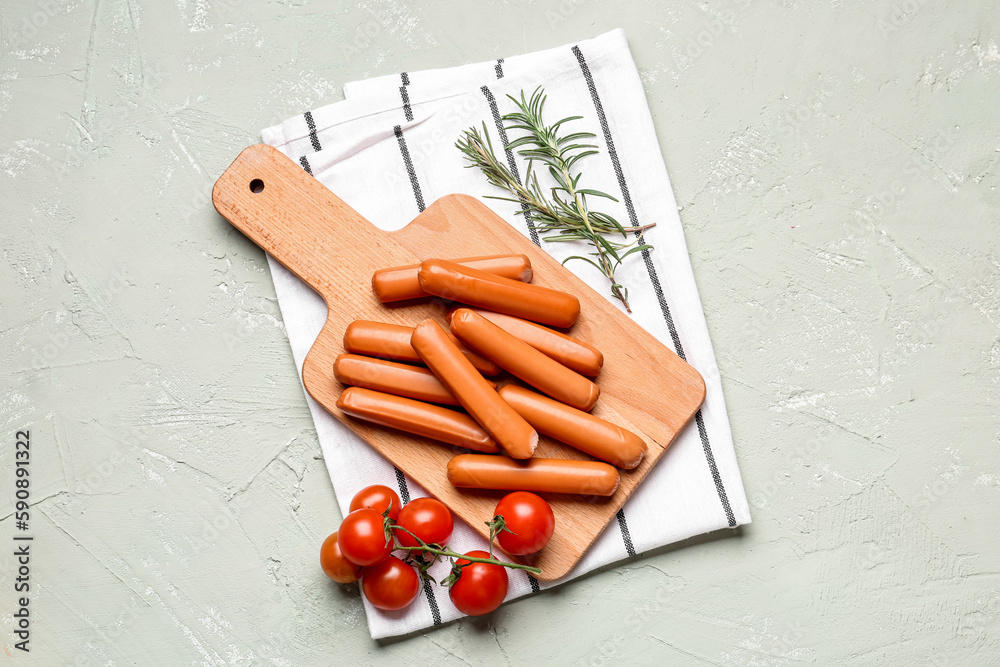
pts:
pixel 580 205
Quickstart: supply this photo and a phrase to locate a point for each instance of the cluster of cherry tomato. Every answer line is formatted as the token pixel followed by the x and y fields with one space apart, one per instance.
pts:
pixel 379 524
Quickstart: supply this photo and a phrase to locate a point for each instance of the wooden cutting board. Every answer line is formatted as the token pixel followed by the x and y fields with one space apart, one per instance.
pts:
pixel 645 387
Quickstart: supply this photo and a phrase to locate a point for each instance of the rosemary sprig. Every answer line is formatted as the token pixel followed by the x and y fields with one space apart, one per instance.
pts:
pixel 566 216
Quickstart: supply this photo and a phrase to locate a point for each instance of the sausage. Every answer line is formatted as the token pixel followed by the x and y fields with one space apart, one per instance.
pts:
pixel 414 382
pixel 424 419
pixel 571 352
pixel 480 471
pixel 523 361
pixel 478 288
pixel 392 341
pixel 401 282
pixel 592 435
pixel 500 420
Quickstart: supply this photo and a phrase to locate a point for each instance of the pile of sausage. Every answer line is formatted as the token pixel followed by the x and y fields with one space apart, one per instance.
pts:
pixel 502 330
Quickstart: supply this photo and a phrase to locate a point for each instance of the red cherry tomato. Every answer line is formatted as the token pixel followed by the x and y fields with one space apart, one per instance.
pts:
pixel 362 538
pixel 530 520
pixel 426 518
pixel 480 588
pixel 332 560
pixel 390 585
pixel 377 497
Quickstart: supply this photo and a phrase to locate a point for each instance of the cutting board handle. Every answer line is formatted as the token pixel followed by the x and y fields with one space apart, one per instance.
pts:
pixel 293 217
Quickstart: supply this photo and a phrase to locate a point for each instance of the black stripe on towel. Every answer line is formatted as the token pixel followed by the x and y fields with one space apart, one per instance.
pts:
pixel 404 496
pixel 305 165
pixel 654 279
pixel 432 602
pixel 511 162
pixel 313 137
pixel 534 584
pixel 626 536
pixel 499 68
pixel 716 477
pixel 407 111
pixel 404 492
pixel 405 152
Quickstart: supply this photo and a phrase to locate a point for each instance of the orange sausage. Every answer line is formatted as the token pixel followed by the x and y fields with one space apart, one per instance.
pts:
pixel 478 288
pixel 471 389
pixel 401 282
pixel 424 419
pixel 592 435
pixel 523 361
pixel 414 382
pixel 478 471
pixel 571 352
pixel 392 341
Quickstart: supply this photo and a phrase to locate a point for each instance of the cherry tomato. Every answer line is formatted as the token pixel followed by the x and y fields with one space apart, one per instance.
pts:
pixel 530 517
pixel 332 560
pixel 480 588
pixel 390 585
pixel 426 518
pixel 362 537
pixel 377 497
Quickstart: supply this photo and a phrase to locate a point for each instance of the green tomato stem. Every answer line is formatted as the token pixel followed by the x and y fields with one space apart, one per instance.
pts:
pixel 473 559
pixel 423 546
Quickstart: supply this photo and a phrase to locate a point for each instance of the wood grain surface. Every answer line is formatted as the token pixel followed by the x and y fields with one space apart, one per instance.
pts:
pixel 645 387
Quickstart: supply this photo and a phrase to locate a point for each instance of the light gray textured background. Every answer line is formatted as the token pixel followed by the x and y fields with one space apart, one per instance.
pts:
pixel 837 166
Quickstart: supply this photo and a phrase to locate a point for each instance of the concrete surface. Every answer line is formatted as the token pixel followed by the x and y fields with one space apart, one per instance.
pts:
pixel 837 164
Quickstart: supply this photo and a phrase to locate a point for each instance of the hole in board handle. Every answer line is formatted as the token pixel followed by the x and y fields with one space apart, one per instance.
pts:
pixel 256 186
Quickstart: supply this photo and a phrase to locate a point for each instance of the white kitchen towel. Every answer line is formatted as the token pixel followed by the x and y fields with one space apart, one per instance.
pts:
pixel 388 151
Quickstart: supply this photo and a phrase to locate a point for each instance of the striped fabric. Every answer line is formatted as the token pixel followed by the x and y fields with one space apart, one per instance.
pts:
pixel 388 150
